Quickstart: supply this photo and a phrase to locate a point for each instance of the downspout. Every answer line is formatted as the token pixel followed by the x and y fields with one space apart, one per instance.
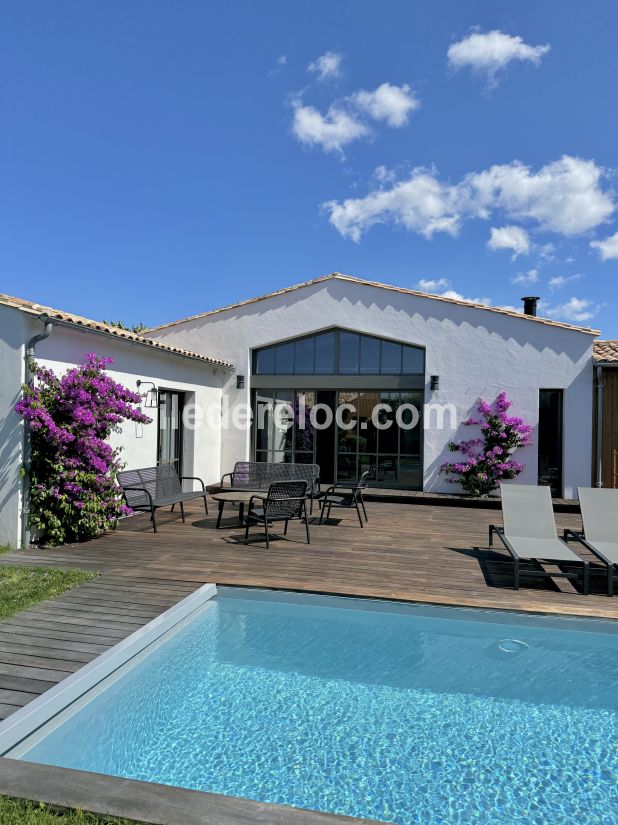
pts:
pixel 598 481
pixel 27 464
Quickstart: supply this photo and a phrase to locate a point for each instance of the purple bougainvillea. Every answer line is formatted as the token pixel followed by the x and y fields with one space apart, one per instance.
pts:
pixel 73 491
pixel 487 460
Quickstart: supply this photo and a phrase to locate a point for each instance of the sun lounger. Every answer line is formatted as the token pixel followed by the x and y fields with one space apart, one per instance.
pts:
pixel 599 509
pixel 529 533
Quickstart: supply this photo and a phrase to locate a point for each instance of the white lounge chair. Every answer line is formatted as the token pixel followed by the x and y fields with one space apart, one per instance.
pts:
pixel 599 509
pixel 529 532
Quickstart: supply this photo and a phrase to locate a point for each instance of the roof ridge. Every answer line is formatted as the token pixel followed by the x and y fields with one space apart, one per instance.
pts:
pixel 33 308
pixel 377 284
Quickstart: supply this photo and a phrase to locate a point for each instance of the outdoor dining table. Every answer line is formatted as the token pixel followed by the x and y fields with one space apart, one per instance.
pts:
pixel 240 497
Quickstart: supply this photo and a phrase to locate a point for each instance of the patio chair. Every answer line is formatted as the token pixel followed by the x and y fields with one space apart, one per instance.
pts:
pixel 148 488
pixel 599 510
pixel 347 496
pixel 285 501
pixel 529 533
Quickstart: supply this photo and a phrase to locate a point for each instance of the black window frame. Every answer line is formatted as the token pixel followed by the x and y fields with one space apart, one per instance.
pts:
pixel 557 485
pixel 263 353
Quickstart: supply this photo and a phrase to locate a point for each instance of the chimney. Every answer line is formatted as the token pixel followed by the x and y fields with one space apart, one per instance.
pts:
pixel 530 302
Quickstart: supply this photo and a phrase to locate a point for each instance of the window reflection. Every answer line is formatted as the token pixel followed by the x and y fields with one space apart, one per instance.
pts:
pixel 361 441
pixel 369 355
pixel 304 356
pixel 348 353
pixel 325 353
pixel 339 352
pixel 390 360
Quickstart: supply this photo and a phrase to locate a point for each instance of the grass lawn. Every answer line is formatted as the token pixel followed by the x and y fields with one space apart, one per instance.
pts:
pixel 21 587
pixel 20 812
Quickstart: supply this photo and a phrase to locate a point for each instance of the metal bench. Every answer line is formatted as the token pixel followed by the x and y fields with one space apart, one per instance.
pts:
pixel 149 488
pixel 259 475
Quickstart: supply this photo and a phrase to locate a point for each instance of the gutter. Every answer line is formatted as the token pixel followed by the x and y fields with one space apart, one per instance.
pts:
pixel 27 447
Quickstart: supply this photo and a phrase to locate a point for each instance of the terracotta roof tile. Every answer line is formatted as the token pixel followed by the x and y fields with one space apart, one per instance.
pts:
pixel 606 351
pixel 108 329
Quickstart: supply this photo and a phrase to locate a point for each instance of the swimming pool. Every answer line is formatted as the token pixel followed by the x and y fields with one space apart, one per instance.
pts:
pixel 402 713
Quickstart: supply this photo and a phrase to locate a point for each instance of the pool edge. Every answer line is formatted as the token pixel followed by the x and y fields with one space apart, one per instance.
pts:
pixel 150 802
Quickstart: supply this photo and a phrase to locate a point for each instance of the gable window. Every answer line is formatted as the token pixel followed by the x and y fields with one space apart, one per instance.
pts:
pixel 339 352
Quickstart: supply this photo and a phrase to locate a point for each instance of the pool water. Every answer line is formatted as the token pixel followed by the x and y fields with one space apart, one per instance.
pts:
pixel 397 713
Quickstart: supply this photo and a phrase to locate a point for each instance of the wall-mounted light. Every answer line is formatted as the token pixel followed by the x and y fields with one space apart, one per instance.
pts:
pixel 240 382
pixel 434 383
pixel 150 396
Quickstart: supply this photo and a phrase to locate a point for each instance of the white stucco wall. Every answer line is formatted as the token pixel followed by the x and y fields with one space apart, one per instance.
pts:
pixel 475 352
pixel 12 336
pixel 66 347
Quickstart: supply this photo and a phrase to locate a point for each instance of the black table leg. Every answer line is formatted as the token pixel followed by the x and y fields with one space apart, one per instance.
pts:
pixel 241 512
pixel 221 503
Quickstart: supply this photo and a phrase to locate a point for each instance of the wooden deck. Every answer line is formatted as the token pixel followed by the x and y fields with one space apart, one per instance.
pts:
pixel 414 552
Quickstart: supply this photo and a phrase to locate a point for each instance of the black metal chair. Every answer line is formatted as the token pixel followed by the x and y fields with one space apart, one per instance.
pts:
pixel 285 501
pixel 352 497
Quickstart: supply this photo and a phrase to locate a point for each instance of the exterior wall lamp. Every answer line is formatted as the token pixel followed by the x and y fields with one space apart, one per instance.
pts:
pixel 434 383
pixel 240 382
pixel 150 396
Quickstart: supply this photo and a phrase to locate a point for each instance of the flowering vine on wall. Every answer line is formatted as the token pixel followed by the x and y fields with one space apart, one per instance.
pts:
pixel 73 492
pixel 487 460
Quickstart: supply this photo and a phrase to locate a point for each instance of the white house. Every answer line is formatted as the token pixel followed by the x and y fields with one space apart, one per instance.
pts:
pixel 331 341
pixel 464 350
pixel 178 377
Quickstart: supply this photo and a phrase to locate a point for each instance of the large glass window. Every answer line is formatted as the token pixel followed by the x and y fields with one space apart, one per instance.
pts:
pixel 325 354
pixel 369 355
pixel 378 431
pixel 338 352
pixel 348 353
pixel 273 425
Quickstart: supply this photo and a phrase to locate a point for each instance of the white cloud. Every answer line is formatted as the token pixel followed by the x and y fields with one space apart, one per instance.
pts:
pixel 563 197
pixel 331 131
pixel 457 296
pixel 421 204
pixel 490 52
pixel 607 249
pixel 510 237
pixel 281 61
pixel 546 252
pixel 526 278
pixel 327 66
pixel 383 174
pixel 577 310
pixel 559 281
pixel 390 103
pixel 433 285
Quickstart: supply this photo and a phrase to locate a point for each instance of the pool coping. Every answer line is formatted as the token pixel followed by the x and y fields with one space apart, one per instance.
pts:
pixel 148 801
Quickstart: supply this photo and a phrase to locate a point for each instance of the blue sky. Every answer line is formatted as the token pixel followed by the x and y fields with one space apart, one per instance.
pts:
pixel 161 159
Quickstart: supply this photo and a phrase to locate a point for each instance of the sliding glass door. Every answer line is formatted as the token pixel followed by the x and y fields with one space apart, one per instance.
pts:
pixel 374 430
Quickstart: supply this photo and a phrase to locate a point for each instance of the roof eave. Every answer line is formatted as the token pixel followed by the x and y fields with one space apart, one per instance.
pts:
pixel 85 325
